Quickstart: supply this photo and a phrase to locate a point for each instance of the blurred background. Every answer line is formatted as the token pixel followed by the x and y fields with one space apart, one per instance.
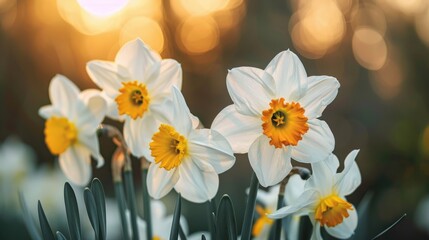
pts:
pixel 378 50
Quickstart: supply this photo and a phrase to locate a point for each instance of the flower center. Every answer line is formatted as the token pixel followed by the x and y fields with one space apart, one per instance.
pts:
pixel 284 123
pixel 332 210
pixel 156 238
pixel 168 147
pixel 60 133
pixel 262 221
pixel 133 99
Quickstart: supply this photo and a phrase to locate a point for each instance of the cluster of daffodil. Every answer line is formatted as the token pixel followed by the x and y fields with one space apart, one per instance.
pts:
pixel 273 118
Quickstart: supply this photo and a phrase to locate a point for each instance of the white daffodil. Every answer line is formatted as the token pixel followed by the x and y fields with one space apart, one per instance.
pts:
pixel 70 128
pixel 323 198
pixel 274 116
pixel 186 158
pixel 135 85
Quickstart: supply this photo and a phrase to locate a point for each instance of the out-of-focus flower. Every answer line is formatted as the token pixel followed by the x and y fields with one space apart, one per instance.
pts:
pixel 70 128
pixel 422 214
pixel 274 116
pixel 17 160
pixel 136 85
pixel 323 198
pixel 186 158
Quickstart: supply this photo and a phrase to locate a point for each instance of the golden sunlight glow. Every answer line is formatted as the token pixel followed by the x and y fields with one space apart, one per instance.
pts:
pixel 425 141
pixel 201 7
pixel 369 48
pixel 370 16
pixel 408 7
pixel 387 82
pixel 198 35
pixel 145 28
pixel 284 123
pixel 317 27
pixel 102 8
pixel 421 24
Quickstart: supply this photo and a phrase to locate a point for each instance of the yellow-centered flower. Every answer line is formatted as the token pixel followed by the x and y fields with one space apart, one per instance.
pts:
pixel 168 147
pixel 323 197
pixel 60 134
pixel 135 85
pixel 284 123
pixel 70 128
pixel 133 99
pixel 262 222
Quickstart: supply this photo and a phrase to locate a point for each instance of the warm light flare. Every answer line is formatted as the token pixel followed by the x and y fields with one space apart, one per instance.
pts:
pixel 198 35
pixel 369 48
pixel 145 28
pixel 102 8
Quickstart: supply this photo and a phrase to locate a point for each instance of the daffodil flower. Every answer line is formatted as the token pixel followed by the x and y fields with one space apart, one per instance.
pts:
pixel 70 128
pixel 184 158
pixel 323 198
pixel 135 86
pixel 274 116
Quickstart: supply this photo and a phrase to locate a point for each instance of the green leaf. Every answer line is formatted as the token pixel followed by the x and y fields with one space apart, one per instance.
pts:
pixel 60 236
pixel 91 209
pixel 250 208
pixel 131 197
pixel 72 212
pixel 98 193
pixel 174 234
pixel 225 222
pixel 44 224
pixel 28 219
pixel 146 205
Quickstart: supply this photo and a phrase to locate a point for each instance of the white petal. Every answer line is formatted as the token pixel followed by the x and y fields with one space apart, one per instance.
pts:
pixel 346 228
pixel 91 142
pixel 251 90
pixel 322 90
pixel 181 114
pixel 138 134
pixel 170 75
pixel 76 164
pixel 349 179
pixel 316 235
pixel 289 75
pixel 270 164
pixel 306 200
pixel 194 184
pixel 240 130
pixel 293 228
pixel 316 144
pixel 197 236
pixel 294 188
pixel 108 76
pixel 323 176
pixel 210 147
pixel 63 94
pixel 91 113
pixel 160 181
pixel 142 62
pixel 49 111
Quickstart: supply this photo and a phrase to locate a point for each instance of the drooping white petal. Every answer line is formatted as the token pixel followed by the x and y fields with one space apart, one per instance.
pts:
pixel 49 111
pixel 294 188
pixel 323 176
pixel 158 210
pixel 181 114
pixel 160 181
pixel 63 94
pixel 90 113
pixel 251 90
pixel 142 62
pixel 306 200
pixel 270 164
pixel 210 147
pixel 195 184
pixel 91 142
pixel 138 134
pixel 350 178
pixel 316 144
pixel 76 164
pixel 240 130
pixel 345 229
pixel 170 74
pixel 322 90
pixel 108 76
pixel 289 75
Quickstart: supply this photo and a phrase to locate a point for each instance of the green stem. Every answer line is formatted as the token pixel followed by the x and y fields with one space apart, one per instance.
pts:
pixel 131 197
pixel 120 197
pixel 146 204
pixel 250 207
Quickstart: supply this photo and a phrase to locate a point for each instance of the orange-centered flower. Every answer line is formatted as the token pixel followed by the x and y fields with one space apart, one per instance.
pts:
pixel 168 147
pixel 332 210
pixel 262 221
pixel 133 100
pixel 60 133
pixel 284 123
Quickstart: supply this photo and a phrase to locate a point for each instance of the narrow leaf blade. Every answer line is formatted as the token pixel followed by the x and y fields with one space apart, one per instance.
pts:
pixel 91 209
pixel 28 219
pixel 98 193
pixel 174 234
pixel 72 212
pixel 44 224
